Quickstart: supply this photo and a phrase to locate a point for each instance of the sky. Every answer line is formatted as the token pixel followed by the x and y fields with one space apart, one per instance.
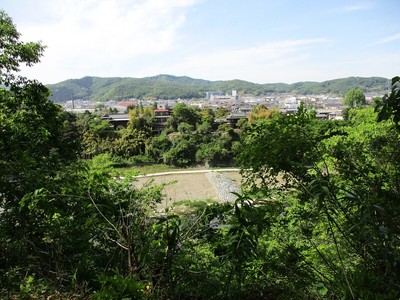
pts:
pixel 261 41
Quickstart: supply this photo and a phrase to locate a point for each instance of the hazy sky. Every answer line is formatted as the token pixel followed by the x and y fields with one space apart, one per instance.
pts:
pixel 261 41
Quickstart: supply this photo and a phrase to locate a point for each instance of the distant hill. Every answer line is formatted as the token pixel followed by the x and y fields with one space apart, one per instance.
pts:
pixel 173 87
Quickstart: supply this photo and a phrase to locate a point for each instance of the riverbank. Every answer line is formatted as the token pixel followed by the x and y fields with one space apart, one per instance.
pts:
pixel 211 185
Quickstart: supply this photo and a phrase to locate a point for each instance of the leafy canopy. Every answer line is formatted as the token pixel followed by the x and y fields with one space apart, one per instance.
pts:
pixel 14 52
pixel 390 105
pixel 355 98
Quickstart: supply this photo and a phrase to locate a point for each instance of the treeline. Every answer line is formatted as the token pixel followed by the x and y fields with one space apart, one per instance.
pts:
pixel 191 137
pixel 172 87
pixel 317 217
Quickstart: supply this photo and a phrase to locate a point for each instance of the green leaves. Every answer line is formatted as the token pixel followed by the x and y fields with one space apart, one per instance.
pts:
pixel 13 52
pixel 280 144
pixel 355 98
pixel 340 212
pixel 390 105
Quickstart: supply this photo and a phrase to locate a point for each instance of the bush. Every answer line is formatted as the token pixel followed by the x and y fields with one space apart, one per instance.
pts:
pixel 122 287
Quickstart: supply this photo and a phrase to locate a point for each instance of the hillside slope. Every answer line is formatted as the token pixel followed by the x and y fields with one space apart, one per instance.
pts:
pixel 173 87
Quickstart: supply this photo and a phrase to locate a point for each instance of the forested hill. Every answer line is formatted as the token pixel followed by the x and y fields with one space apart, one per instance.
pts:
pixel 173 87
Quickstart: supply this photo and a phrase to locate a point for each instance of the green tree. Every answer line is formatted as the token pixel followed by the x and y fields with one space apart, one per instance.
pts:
pixel 61 218
pixel 158 146
pixel 35 133
pixel 355 98
pixel 390 105
pixel 183 113
pixel 182 152
pixel 15 52
pixel 38 147
pixel 337 209
pixel 141 118
pixel 363 185
pixel 217 148
pixel 184 127
pixel 207 116
pixel 261 111
pixel 222 112
pixel 279 145
pixel 131 142
pixel 97 135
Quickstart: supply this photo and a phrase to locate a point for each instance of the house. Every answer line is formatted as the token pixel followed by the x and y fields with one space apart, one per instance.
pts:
pixel 322 116
pixel 125 105
pixel 291 105
pixel 118 121
pixel 329 114
pixel 161 116
pixel 211 94
pixel 234 118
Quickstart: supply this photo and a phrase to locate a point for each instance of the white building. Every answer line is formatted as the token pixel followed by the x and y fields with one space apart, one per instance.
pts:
pixel 291 105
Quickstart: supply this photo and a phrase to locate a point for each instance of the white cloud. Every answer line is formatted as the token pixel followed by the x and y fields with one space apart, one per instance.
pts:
pixel 386 40
pixel 358 6
pixel 281 61
pixel 138 38
pixel 363 66
pixel 88 36
pixel 267 61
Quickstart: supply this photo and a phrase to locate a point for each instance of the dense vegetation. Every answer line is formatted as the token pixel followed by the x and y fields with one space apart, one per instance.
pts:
pixel 317 218
pixel 172 87
pixel 190 138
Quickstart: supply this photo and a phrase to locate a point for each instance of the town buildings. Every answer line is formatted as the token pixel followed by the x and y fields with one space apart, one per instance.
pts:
pixel 116 112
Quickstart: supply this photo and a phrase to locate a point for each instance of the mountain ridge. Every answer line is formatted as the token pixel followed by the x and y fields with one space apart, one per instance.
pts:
pixel 165 86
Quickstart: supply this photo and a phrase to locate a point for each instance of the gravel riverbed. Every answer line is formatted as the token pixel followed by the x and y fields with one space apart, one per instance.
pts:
pixel 216 185
pixel 224 186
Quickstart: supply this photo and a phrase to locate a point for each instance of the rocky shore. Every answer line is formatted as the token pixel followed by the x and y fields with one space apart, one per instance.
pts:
pixel 224 186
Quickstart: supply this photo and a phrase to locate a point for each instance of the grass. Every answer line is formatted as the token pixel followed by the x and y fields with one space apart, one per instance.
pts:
pixel 195 203
pixel 148 169
pixel 185 207
pixel 156 168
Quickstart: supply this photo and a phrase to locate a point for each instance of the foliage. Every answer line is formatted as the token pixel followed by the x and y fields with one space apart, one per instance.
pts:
pixel 279 145
pixel 172 87
pixel 130 143
pixel 184 128
pixel 96 134
pixel 355 98
pixel 182 152
pixel 141 118
pixel 15 52
pixel 318 217
pixel 218 150
pixel 38 143
pixel 390 105
pixel 343 198
pixel 99 137
pixel 221 112
pixel 182 113
pixel 119 286
pixel 192 137
pixel 207 116
pixel 157 146
pixel 261 111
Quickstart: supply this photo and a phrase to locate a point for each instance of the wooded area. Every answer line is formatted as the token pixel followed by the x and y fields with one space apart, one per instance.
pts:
pixel 317 217
pixel 173 87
